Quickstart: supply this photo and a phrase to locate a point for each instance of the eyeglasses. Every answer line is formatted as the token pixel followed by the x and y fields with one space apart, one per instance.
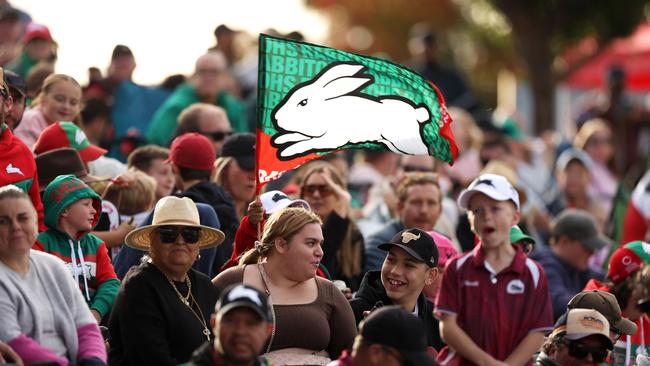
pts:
pixel 526 246
pixel 218 135
pixel 322 189
pixel 169 234
pixel 579 350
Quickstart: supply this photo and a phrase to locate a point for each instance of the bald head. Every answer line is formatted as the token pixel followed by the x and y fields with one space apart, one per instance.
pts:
pixel 208 74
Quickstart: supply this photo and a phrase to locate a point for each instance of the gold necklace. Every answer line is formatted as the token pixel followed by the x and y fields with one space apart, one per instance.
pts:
pixel 186 279
pixel 185 300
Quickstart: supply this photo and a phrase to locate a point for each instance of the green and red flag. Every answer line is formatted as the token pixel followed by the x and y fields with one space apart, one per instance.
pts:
pixel 313 100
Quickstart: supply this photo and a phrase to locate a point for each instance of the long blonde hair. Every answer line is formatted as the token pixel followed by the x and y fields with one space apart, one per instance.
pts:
pixel 281 224
pixel 350 253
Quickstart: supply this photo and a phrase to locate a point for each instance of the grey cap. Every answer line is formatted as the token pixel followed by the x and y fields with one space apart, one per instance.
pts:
pixel 579 225
pixel 573 154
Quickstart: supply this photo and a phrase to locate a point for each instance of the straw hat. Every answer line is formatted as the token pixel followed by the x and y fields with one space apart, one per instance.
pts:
pixel 172 210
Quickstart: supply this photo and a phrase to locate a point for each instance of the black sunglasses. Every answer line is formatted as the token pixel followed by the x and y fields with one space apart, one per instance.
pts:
pixel 218 135
pixel 169 234
pixel 579 350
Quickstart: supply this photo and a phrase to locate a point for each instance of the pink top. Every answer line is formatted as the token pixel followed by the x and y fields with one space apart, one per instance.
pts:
pixel 31 126
pixel 446 249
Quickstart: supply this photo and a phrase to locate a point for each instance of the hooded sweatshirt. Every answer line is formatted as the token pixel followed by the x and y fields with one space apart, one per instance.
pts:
pixel 372 294
pixel 627 347
pixel 18 168
pixel 85 255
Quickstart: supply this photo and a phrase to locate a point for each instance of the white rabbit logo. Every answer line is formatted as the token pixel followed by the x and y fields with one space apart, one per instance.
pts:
pixel 329 112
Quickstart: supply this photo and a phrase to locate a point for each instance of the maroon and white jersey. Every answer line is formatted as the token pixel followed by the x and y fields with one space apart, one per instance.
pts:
pixel 496 310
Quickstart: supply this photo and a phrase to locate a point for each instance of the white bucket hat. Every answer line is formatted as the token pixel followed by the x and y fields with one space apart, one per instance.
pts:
pixel 172 210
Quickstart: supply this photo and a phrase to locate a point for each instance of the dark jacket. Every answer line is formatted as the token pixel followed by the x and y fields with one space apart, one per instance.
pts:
pixel 564 281
pixel 375 256
pixel 204 356
pixel 372 291
pixel 150 325
pixel 335 229
pixel 217 197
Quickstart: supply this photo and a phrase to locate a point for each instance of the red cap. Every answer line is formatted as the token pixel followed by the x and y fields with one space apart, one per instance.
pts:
pixel 35 30
pixel 67 134
pixel 193 151
pixel 622 264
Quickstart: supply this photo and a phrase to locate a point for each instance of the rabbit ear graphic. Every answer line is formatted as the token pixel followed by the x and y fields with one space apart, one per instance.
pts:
pixel 338 71
pixel 343 86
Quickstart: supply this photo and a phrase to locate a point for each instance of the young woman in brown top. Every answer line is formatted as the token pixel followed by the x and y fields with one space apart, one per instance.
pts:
pixel 312 319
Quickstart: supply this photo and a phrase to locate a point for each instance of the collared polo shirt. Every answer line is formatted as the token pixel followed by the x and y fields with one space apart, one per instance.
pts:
pixel 496 310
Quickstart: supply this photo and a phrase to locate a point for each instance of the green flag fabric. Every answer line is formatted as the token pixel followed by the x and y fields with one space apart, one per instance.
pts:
pixel 313 100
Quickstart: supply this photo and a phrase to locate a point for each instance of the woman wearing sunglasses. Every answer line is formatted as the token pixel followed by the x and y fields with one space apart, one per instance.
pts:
pixel 580 338
pixel 344 247
pixel 162 311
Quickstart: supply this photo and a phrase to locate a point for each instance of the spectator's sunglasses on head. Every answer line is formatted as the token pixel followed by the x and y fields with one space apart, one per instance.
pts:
pixel 217 135
pixel 580 350
pixel 644 306
pixel 168 234
pixel 323 189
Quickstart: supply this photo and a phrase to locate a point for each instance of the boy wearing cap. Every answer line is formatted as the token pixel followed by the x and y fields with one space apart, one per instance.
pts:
pixel 574 238
pixel 389 336
pixel 518 237
pixel 72 210
pixel 493 303
pixel 242 323
pixel 17 164
pixel 581 338
pixel 626 282
pixel 410 264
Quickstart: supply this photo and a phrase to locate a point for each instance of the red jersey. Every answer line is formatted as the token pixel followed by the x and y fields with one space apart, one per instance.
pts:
pixel 17 167
pixel 496 310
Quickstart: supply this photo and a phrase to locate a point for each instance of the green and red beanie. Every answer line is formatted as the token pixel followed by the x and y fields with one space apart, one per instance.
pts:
pixel 628 259
pixel 67 134
pixel 63 191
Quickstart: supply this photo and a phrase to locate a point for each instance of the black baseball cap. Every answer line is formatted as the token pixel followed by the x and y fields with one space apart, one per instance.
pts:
pixel 244 296
pixel 241 147
pixel 15 82
pixel 395 327
pixel 417 243
pixel 579 225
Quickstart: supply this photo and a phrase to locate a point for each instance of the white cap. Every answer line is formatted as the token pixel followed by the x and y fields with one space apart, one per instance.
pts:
pixel 273 201
pixel 572 154
pixel 494 186
pixel 582 323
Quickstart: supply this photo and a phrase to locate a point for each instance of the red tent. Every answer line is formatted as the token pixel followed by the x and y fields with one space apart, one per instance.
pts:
pixel 631 53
